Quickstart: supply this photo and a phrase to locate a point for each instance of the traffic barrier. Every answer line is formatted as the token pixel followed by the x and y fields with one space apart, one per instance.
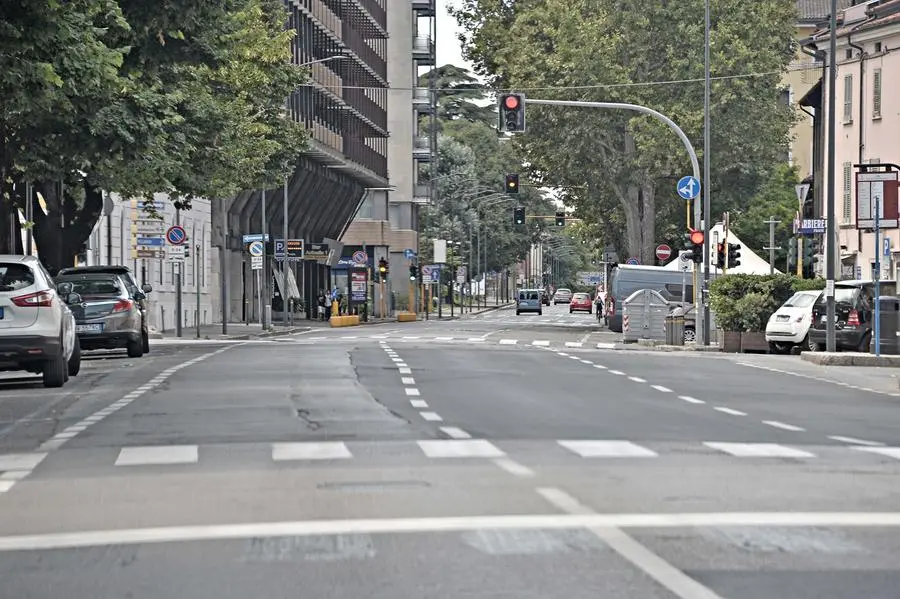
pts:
pixel 406 317
pixel 344 321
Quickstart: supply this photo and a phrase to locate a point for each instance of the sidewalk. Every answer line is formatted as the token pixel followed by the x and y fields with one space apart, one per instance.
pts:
pixel 433 315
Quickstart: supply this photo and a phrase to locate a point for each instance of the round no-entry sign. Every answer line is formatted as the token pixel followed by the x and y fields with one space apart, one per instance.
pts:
pixel 663 251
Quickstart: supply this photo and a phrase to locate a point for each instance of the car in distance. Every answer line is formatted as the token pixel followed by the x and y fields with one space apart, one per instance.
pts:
pixel 126 275
pixel 108 316
pixel 581 302
pixel 37 329
pixel 529 300
pixel 789 326
pixel 562 296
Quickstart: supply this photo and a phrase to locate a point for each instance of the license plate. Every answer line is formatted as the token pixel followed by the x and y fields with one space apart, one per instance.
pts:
pixel 89 328
pixel 782 318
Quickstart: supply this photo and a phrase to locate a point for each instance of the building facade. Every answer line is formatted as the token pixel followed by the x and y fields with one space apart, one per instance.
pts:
pixel 867 122
pixel 344 108
pixel 388 219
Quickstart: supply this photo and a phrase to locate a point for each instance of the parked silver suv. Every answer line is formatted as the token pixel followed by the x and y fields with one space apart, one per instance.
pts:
pixel 37 329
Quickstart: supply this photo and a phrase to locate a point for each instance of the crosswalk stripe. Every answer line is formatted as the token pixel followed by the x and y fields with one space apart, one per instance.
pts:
pixel 20 461
pixel 891 452
pixel 508 341
pixel 608 449
pixel 460 448
pixel 760 450
pixel 540 343
pixel 325 450
pixel 157 455
pixel 573 344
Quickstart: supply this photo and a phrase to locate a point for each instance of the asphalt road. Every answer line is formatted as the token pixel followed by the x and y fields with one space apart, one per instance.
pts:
pixel 443 460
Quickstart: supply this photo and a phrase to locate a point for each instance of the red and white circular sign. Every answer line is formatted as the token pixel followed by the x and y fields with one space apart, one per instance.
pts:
pixel 663 251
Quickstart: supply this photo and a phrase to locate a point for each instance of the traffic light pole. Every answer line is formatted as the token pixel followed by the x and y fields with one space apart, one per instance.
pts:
pixel 702 314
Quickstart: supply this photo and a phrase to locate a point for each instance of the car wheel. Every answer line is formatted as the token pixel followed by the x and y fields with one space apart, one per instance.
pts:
pixel 74 365
pixel 55 372
pixel 145 342
pixel 540 313
pixel 518 313
pixel 135 348
pixel 690 335
pixel 813 346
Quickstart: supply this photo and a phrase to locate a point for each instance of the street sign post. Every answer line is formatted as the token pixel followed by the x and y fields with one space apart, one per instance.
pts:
pixel 663 252
pixel 688 187
pixel 176 235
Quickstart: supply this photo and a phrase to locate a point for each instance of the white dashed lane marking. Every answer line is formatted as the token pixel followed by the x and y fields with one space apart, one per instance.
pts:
pixel 729 411
pixel 407 380
pixel 431 416
pixel 412 391
pixel 455 433
pixel 418 403
pixel 760 450
pixel 783 426
pixel 855 441
pixel 637 379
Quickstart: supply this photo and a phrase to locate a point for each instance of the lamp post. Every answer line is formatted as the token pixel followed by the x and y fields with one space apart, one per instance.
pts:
pixel 829 201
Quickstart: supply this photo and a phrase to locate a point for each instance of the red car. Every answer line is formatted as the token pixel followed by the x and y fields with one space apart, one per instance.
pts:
pixel 581 302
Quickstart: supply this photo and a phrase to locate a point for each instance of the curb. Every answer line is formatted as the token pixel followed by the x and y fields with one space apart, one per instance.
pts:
pixel 241 337
pixel 850 359
pixel 701 349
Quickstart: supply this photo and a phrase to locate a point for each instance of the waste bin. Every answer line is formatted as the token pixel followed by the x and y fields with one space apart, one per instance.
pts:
pixel 675 327
pixel 889 325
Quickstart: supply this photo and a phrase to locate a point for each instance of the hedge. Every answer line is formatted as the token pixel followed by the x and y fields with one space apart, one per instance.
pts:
pixel 746 302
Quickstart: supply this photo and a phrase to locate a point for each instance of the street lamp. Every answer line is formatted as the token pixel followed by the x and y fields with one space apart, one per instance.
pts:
pixel 335 57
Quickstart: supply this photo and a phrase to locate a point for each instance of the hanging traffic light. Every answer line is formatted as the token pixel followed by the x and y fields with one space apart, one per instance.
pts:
pixel 519 215
pixel 734 255
pixel 696 238
pixel 413 272
pixel 720 255
pixel 512 183
pixel 560 219
pixel 512 113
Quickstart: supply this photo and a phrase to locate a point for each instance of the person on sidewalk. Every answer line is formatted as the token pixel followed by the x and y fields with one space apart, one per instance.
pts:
pixel 321 305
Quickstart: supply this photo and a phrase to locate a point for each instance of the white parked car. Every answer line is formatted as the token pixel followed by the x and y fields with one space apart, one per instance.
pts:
pixel 37 329
pixel 789 326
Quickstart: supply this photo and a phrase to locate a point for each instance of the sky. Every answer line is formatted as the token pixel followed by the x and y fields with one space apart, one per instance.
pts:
pixel 447 46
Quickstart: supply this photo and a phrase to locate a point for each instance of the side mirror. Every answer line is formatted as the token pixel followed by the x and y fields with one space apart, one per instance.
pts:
pixel 146 288
pixel 73 298
pixel 139 296
pixel 64 289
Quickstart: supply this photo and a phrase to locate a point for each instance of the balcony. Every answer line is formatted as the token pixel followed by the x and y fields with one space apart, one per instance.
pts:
pixel 358 99
pixel 421 194
pixel 423 8
pixel 422 100
pixel 422 148
pixel 358 45
pixel 423 50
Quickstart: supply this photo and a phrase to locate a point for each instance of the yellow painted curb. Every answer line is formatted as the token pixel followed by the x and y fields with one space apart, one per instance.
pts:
pixel 406 317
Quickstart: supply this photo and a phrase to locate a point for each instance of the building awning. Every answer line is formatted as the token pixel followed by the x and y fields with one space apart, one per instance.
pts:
pixel 812 98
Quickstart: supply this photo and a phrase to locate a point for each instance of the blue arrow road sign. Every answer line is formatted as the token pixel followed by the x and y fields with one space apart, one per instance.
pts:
pixel 150 241
pixel 688 187
pixel 255 237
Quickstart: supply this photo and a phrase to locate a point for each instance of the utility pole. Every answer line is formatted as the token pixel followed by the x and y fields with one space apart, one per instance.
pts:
pixel 831 237
pixel 179 268
pixel 707 202
pixel 284 263
pixel 771 222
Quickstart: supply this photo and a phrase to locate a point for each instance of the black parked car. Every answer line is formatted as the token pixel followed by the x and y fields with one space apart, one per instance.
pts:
pixel 854 307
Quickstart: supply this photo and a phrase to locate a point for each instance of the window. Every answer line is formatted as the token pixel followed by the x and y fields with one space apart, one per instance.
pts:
pixel 848 54
pixel 848 99
pixel 846 212
pixel 15 276
pixel 877 47
pixel 367 208
pixel 876 94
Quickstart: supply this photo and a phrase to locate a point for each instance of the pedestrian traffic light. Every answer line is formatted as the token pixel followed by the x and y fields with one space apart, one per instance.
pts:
pixel 734 255
pixel 560 219
pixel 696 238
pixel 519 215
pixel 512 113
pixel 383 268
pixel 512 183
pixel 720 255
pixel 413 272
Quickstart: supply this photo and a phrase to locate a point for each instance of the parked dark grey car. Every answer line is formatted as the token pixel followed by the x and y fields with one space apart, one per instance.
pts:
pixel 109 316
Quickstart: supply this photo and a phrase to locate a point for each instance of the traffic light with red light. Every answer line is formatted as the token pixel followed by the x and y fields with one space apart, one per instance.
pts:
pixel 720 255
pixel 696 238
pixel 512 183
pixel 512 113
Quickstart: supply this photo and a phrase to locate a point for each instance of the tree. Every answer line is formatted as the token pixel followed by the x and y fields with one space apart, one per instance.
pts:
pixel 458 95
pixel 778 200
pixel 624 50
pixel 129 98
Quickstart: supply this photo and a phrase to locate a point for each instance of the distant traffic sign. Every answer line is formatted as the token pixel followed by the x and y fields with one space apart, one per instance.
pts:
pixel 176 235
pixel 256 248
pixel 360 257
pixel 426 270
pixel 255 237
pixel 663 251
pixel 409 254
pixel 632 261
pixel 688 187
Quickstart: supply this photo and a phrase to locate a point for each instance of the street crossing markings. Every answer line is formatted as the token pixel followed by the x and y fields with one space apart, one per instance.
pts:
pixel 418 403
pixel 21 461
pixel 455 433
pixel 508 341
pixel 608 449
pixel 412 391
pixel 573 344
pixel 407 380
pixel 431 416
pixel 514 468
pixel 443 338
pixel 158 455
pixel 760 450
pixel 464 448
pixel 891 452
pixel 540 343
pixel 325 450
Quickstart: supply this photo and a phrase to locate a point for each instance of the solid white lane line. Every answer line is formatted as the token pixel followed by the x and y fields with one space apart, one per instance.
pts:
pixel 514 468
pixel 637 379
pixel 667 575
pixel 784 426
pixel 508 341
pixel 412 391
pixel 431 416
pixel 455 433
pixel 156 455
pixel 661 389
pixel 540 343
pixel 464 448
pixel 690 399
pixel 855 441
pixel 307 528
pixel 617 372
pixel 730 411
pixel 418 403
pixel 760 450
pixel 325 450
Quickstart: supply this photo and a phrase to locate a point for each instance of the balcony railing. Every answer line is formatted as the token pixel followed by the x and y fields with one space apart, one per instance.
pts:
pixel 360 153
pixel 376 10
pixel 421 95
pixel 359 46
pixel 422 192
pixel 425 8
pixel 423 50
pixel 422 148
pixel 358 99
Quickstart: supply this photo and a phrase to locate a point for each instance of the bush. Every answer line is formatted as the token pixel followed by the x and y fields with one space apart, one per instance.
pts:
pixel 744 303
